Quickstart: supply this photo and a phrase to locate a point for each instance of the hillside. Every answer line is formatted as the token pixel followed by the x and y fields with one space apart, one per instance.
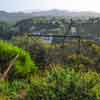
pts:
pixel 17 16
pixel 31 68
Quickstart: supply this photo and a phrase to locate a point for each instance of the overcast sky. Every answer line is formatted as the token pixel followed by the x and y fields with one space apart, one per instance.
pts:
pixel 29 5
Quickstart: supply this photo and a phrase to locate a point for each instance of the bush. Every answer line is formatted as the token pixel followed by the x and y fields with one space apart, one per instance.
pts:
pixel 23 64
pixel 55 84
pixel 65 84
pixel 36 47
pixel 15 90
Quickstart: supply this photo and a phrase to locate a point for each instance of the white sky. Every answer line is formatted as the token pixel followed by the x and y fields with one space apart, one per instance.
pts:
pixel 72 5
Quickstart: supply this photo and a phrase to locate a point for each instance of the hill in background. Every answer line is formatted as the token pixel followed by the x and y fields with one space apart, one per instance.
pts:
pixel 17 16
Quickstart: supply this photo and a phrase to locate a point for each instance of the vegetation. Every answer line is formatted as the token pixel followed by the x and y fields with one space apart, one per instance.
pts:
pixel 31 68
pixel 55 84
pixel 76 80
pixel 23 63
pixel 48 25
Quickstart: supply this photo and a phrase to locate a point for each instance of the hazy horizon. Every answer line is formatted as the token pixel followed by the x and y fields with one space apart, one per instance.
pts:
pixel 38 10
pixel 45 5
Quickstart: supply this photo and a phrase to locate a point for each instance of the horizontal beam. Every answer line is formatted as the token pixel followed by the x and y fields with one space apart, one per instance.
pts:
pixel 51 35
pixel 61 36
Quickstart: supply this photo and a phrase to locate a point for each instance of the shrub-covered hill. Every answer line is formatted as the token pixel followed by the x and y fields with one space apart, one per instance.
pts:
pixel 23 63
pixel 55 84
pixel 86 57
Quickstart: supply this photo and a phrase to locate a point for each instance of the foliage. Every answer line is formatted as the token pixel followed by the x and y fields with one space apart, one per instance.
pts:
pixel 43 53
pixel 13 90
pixel 66 84
pixel 78 76
pixel 55 84
pixel 35 46
pixel 23 64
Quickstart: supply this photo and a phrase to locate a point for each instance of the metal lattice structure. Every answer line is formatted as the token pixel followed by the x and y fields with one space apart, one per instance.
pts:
pixel 68 38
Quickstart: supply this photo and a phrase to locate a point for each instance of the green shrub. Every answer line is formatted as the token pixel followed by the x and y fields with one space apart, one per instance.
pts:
pixel 65 84
pixel 55 84
pixel 4 88
pixel 18 90
pixel 15 90
pixel 36 47
pixel 23 64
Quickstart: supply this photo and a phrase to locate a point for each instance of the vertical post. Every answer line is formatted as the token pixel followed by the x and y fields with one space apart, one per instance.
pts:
pixel 79 45
pixel 65 33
